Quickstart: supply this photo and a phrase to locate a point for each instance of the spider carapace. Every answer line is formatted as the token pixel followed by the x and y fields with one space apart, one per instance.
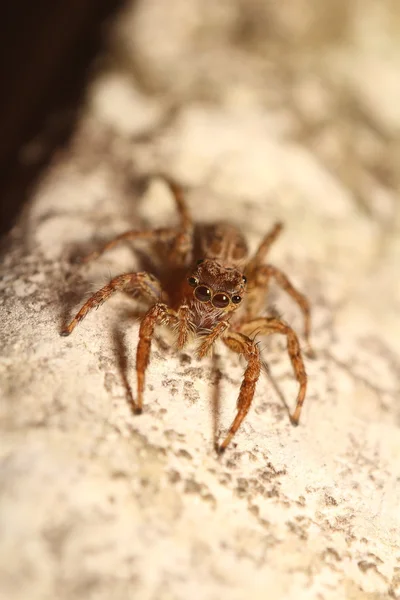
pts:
pixel 214 292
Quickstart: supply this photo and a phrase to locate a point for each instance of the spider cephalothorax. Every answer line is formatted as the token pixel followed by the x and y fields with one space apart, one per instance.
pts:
pixel 207 300
pixel 213 292
pixel 222 286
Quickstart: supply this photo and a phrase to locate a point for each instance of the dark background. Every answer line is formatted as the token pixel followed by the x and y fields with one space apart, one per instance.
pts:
pixel 47 51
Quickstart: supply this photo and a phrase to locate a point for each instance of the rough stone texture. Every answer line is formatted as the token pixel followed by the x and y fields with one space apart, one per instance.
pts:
pixel 263 111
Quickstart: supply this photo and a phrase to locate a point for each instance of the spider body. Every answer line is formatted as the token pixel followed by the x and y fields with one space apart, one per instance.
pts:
pixel 213 292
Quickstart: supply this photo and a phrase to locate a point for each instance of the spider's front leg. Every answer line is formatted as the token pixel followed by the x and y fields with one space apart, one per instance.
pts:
pixel 211 338
pixel 270 325
pixel 159 314
pixel 143 284
pixel 243 345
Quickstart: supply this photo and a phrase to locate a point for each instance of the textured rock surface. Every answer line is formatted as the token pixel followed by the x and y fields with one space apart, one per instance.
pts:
pixel 262 113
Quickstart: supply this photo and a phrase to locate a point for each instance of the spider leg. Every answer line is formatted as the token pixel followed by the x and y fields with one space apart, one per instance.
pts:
pixel 265 245
pixel 180 250
pixel 256 297
pixel 177 192
pixel 212 336
pixel 159 314
pixel 183 325
pixel 143 284
pixel 270 325
pixel 243 345
pixel 152 235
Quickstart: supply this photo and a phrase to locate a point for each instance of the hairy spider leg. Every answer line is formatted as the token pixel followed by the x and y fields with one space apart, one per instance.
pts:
pixel 151 235
pixel 270 325
pixel 180 251
pixel 211 338
pixel 143 284
pixel 159 314
pixel 242 344
pixel 265 246
pixel 256 297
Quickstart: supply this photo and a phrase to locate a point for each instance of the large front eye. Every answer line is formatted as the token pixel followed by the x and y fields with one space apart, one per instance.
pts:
pixel 193 281
pixel 220 300
pixel 202 293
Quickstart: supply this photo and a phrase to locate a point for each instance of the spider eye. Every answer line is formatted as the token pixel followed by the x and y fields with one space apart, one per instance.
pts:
pixel 193 281
pixel 220 300
pixel 198 262
pixel 202 293
pixel 244 279
pixel 236 299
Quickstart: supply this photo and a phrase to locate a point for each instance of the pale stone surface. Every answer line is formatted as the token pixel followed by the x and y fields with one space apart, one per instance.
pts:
pixel 99 504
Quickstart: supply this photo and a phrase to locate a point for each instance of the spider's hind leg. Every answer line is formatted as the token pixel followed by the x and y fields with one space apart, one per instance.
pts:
pixel 151 235
pixel 179 238
pixel 180 249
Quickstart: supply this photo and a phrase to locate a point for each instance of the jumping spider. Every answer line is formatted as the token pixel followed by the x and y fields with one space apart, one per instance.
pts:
pixel 207 294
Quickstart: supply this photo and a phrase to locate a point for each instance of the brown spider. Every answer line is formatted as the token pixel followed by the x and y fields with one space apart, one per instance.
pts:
pixel 207 295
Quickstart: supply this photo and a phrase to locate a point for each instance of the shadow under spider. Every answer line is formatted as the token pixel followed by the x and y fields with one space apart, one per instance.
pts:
pixel 216 376
pixel 120 349
pixel 70 298
pixel 265 368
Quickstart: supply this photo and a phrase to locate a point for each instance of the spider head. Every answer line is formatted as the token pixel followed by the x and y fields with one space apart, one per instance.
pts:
pixel 216 285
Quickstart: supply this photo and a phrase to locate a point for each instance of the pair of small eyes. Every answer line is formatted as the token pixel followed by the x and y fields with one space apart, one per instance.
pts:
pixel 203 293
